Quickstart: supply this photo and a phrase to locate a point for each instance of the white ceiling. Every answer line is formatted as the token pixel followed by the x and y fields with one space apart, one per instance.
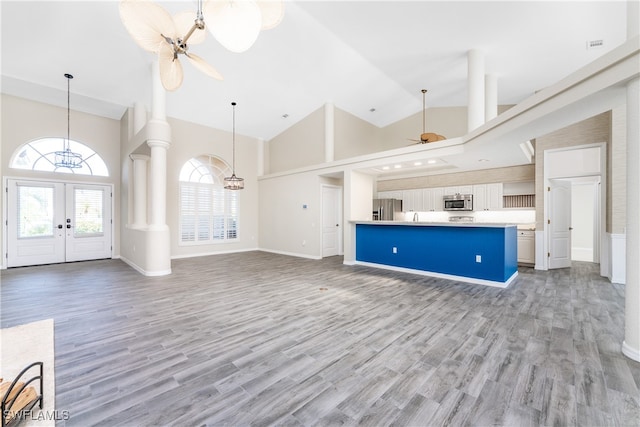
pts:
pixel 356 54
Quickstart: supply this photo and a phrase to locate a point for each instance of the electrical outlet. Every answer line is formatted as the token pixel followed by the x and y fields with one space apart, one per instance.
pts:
pixel 394 250
pixel 478 258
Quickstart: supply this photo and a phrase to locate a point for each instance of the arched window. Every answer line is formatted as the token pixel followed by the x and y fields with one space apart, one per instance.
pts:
pixel 208 212
pixel 39 155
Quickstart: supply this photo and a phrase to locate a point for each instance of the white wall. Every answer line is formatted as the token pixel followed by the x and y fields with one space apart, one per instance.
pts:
pixel 24 120
pixel 583 205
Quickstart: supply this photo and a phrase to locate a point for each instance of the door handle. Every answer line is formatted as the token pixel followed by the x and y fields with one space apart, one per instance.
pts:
pixel 59 225
pixel 570 228
pixel 337 225
pixel 68 226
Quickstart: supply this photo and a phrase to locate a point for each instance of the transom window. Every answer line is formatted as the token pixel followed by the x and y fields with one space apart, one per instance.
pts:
pixel 39 155
pixel 208 212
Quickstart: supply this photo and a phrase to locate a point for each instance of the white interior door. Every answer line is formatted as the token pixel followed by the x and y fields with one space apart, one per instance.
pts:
pixel 331 220
pixel 559 224
pixel 53 222
pixel 88 222
pixel 35 218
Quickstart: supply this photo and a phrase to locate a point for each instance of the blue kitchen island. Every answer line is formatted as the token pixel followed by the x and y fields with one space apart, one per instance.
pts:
pixel 484 254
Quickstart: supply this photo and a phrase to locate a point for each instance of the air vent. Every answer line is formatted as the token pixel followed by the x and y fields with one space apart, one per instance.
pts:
pixel 595 44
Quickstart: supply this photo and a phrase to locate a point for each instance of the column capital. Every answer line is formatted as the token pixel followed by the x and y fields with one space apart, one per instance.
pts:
pixel 135 157
pixel 153 143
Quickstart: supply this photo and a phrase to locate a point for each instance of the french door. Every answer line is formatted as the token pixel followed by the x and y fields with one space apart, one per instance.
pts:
pixel 52 222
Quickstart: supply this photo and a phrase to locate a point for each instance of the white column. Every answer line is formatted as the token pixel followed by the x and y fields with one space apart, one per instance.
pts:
pixel 475 83
pixel 139 117
pixel 631 343
pixel 139 190
pixel 329 132
pixel 158 184
pixel 261 156
pixel 158 98
pixel 490 97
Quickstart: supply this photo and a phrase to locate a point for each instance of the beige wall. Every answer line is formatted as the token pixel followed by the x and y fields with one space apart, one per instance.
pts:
pixel 594 130
pixel 486 176
pixel 24 120
pixel 354 136
pixel 300 145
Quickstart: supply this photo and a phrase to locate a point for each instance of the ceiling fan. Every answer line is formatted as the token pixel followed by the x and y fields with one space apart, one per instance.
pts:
pixel 156 31
pixel 426 137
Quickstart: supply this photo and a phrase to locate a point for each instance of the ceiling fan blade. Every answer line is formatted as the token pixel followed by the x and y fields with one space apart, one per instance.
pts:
pixel 272 12
pixel 234 24
pixel 170 68
pixel 203 66
pixel 184 21
pixel 146 21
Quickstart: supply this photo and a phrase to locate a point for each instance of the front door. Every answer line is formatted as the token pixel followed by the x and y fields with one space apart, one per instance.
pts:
pixel 331 219
pixel 559 224
pixel 53 222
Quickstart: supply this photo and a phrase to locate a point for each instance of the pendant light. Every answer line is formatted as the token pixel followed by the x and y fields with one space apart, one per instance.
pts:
pixel 233 182
pixel 67 158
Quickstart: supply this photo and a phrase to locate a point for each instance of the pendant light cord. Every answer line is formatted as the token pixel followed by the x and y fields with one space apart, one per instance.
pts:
pixel 234 139
pixel 69 77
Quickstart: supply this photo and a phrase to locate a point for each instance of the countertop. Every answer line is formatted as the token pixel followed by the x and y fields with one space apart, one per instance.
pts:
pixel 437 224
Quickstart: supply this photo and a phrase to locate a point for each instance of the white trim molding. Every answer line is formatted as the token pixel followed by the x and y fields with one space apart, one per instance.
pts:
pixel 631 353
pixel 618 245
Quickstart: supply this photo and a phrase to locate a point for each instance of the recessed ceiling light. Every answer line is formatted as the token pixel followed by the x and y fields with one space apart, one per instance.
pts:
pixel 417 163
pixel 432 161
pixel 385 168
pixel 397 166
pixel 483 160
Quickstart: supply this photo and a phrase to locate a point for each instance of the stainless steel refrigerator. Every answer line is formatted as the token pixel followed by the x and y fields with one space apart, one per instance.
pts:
pixel 387 209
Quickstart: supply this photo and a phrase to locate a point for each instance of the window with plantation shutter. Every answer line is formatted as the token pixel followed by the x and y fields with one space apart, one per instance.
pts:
pixel 208 212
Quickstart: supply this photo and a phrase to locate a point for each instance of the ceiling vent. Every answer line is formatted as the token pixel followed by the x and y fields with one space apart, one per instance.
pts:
pixel 595 44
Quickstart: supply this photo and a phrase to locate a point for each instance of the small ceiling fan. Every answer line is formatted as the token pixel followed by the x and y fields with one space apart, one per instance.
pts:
pixel 156 31
pixel 426 137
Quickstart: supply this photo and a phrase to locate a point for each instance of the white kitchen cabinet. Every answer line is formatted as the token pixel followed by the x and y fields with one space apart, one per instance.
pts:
pixel 526 247
pixel 396 194
pixel 462 189
pixel 413 200
pixel 432 199
pixel 487 197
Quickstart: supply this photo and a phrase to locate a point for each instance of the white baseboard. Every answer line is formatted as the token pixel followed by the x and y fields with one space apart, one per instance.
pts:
pixel 143 271
pixel 213 253
pixel 582 254
pixel 299 255
pixel 631 353
pixel 618 258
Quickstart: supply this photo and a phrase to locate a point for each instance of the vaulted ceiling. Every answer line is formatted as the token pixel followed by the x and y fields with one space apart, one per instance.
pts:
pixel 358 55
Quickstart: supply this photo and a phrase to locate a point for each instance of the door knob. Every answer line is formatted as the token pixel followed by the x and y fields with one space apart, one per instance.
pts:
pixel 59 225
pixel 570 228
pixel 68 225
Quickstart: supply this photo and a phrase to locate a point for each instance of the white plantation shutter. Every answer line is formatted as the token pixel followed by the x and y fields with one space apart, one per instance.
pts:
pixel 208 212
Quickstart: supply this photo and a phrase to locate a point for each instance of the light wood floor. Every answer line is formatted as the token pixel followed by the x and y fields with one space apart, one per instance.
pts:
pixel 264 339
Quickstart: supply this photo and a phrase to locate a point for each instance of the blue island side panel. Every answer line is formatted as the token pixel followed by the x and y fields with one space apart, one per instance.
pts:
pixel 445 250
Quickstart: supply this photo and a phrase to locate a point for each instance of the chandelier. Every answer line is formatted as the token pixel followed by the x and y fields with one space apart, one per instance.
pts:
pixel 233 182
pixel 67 158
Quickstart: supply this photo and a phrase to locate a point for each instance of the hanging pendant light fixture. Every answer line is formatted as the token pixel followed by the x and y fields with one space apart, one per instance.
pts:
pixel 233 182
pixel 67 158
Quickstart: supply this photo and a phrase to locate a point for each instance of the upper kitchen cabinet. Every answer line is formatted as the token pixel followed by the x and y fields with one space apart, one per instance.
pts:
pixel 462 189
pixel 487 197
pixel 432 198
pixel 413 201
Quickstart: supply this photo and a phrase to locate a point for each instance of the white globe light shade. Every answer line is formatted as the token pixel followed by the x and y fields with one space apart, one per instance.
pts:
pixel 235 23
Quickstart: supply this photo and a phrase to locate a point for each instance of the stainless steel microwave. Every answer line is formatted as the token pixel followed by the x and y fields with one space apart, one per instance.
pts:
pixel 458 202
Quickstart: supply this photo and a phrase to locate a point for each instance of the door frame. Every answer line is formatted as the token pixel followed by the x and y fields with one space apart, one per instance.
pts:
pixel 600 219
pixel 339 208
pixel 5 208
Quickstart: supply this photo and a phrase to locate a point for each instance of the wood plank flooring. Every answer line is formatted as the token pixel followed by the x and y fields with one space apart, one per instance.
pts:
pixel 256 339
